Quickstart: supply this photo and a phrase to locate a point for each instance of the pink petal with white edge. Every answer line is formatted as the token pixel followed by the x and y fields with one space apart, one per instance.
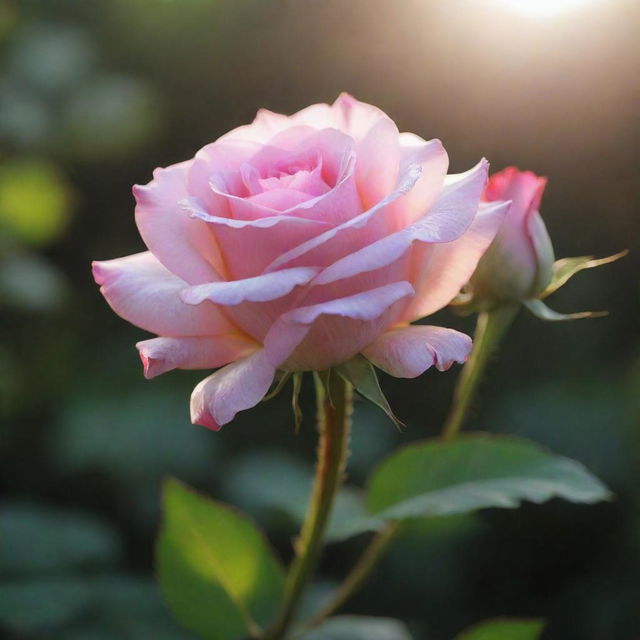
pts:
pixel 292 327
pixel 434 161
pixel 441 270
pixel 240 385
pixel 449 218
pixel 269 286
pixel 184 245
pixel 408 352
pixel 160 355
pixel 142 291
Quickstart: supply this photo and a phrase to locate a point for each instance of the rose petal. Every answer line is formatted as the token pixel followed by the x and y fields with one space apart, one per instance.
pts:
pixel 250 245
pixel 292 327
pixel 433 159
pixel 142 291
pixel 240 385
pixel 184 245
pixel 269 286
pixel 324 250
pixel 409 351
pixel 443 269
pixel 160 355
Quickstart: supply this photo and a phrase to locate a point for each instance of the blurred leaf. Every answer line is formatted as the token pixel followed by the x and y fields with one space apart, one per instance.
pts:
pixel 38 540
pixel 133 608
pixel 475 472
pixel 504 629
pixel 111 116
pixel 215 568
pixel 283 500
pixel 24 118
pixel 35 200
pixel 362 375
pixel 359 628
pixel 41 604
pixel 51 57
pixel 30 282
pixel 136 440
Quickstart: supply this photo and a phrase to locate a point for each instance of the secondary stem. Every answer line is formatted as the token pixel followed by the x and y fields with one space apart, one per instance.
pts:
pixel 357 576
pixel 334 421
pixel 490 328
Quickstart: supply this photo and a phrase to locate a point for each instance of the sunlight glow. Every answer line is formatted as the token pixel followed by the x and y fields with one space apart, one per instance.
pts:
pixel 543 8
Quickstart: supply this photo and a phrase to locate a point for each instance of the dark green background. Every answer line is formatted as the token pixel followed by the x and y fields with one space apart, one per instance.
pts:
pixel 95 94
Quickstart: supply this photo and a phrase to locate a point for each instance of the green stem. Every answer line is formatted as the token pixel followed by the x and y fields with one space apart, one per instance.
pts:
pixel 334 421
pixel 490 328
pixel 358 575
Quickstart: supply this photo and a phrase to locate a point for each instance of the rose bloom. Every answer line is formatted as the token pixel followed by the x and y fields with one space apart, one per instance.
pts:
pixel 519 263
pixel 295 243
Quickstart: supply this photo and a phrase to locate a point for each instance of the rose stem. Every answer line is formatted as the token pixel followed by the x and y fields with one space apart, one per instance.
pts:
pixel 334 422
pixel 490 328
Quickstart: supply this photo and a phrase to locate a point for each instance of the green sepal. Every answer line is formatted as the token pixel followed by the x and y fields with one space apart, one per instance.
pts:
pixel 361 374
pixel 295 399
pixel 566 268
pixel 279 385
pixel 543 312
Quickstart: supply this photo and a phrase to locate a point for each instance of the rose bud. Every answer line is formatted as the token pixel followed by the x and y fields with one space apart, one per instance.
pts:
pixel 519 263
pixel 295 244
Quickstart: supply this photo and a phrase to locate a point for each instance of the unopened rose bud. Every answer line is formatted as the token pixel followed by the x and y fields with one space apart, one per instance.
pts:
pixel 519 263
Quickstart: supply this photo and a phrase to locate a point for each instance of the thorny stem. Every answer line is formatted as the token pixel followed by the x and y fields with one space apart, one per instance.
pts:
pixel 335 399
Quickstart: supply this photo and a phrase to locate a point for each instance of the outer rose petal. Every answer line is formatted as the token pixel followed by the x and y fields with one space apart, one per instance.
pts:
pixel 160 355
pixel 440 271
pixel 140 290
pixel 324 343
pixel 240 385
pixel 184 245
pixel 269 286
pixel 409 351
pixel 434 161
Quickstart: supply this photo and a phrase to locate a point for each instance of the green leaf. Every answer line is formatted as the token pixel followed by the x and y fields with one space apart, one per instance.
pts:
pixel 542 311
pixel 359 628
pixel 436 478
pixel 216 570
pixel 504 629
pixel 361 374
pixel 566 268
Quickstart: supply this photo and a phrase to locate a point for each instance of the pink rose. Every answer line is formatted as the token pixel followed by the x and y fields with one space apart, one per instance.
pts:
pixel 519 264
pixel 295 243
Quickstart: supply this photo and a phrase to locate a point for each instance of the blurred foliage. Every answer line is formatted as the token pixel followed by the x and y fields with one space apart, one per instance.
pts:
pixel 94 95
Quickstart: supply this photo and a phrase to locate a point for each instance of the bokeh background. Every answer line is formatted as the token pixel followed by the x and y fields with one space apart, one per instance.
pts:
pixel 95 94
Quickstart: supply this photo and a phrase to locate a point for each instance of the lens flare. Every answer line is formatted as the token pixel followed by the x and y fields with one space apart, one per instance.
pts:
pixel 543 8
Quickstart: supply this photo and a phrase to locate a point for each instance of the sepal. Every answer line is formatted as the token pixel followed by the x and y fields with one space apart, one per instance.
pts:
pixel 362 375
